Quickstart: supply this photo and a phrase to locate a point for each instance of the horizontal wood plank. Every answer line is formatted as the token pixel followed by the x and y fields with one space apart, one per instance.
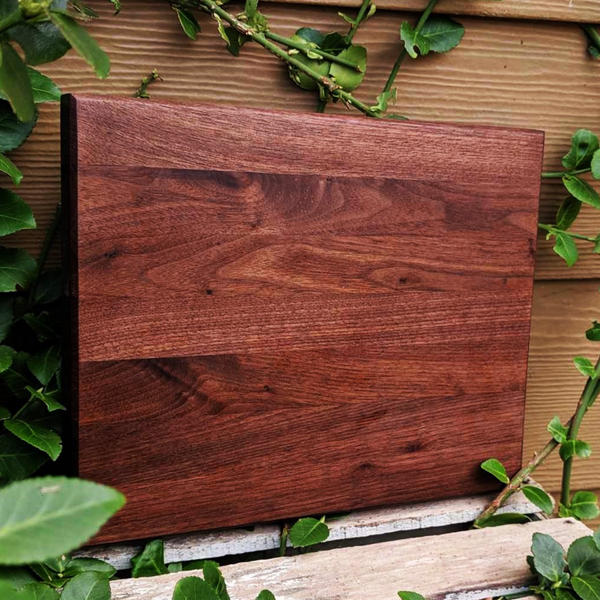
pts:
pixel 504 73
pixel 438 567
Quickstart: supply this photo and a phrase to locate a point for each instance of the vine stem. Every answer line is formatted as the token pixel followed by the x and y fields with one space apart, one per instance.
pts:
pixel 560 174
pixel 589 395
pixel 303 48
pixel 578 236
pixel 336 91
pixel 403 53
pixel 50 235
pixel 359 18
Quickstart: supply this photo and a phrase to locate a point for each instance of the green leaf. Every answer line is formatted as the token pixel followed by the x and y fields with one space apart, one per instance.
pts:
pixel 14 83
pixel 582 190
pixel 504 519
pixel 193 588
pixel 410 596
pixel 150 561
pixel 42 87
pixel 39 591
pixel 8 166
pixel 595 165
pixel 12 131
pixel 583 145
pixel 567 212
pixel 188 23
pixel 585 366
pixel 15 214
pixel 42 325
pixel 548 557
pixel 594 52
pixel 37 435
pixel 306 34
pixel 596 537
pixel 566 248
pixel 588 588
pixel 17 269
pixel 563 511
pixel 48 398
pixel 49 287
pixel 593 333
pixel 41 42
pixel 558 431
pixel 175 567
pixel 584 505
pixel 308 532
pixel 87 586
pixel 572 448
pixel 584 557
pixel 16 577
pixel 7 356
pixel 562 594
pixel 214 578
pixel 301 79
pixel 384 99
pixel 442 33
pixel 496 468
pixel 348 78
pixel 334 42
pixel 539 498
pixel 45 517
pixel 83 43
pixel 265 595
pixel 18 460
pixel 412 40
pixel 6 316
pixel 77 566
pixel 44 364
pixel 4 414
pixel 235 40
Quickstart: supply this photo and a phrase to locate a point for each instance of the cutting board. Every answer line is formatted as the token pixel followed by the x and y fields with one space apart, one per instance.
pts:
pixel 278 314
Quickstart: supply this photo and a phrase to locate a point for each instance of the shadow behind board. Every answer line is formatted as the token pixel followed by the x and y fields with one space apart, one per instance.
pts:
pixel 279 314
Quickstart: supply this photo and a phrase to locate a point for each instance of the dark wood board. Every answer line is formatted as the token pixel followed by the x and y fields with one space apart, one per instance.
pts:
pixel 277 315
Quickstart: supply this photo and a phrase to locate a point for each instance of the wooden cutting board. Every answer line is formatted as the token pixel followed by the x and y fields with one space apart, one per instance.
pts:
pixel 279 314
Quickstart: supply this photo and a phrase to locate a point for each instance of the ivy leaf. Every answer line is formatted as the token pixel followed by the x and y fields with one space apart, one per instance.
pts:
pixel 585 366
pixel 442 33
pixel 308 532
pixel 348 78
pixel 77 566
pixel 410 596
pixel 48 399
pixel 584 557
pixel 15 214
pixel 44 364
pixel 193 588
pixel 150 561
pixel 584 144
pixel 45 517
pixel 582 190
pixel 18 460
pixel 566 248
pixel 6 358
pixel 12 131
pixel 548 557
pixel 14 83
pixel 265 595
pixel 17 269
pixel 83 42
pixel 41 42
pixel 584 505
pixel 496 468
pixel 572 448
pixel 539 498
pixel 188 22
pixel 36 435
pixel 558 431
pixel 87 586
pixel 567 212
pixel 214 578
pixel 505 519
pixel 588 588
pixel 9 167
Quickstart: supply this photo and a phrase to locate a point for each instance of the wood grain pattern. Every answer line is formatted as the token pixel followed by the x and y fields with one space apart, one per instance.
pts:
pixel 520 74
pixel 467 565
pixel 253 304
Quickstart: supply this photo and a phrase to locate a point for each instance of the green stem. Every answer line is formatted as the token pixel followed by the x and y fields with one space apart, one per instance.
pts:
pixel 592 34
pixel 359 18
pixel 142 91
pixel 322 104
pixel 560 174
pixel 334 89
pixel 303 48
pixel 589 395
pixel 578 236
pixel 50 235
pixel 403 53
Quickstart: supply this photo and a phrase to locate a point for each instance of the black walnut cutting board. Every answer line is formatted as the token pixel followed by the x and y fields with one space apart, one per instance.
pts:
pixel 279 314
